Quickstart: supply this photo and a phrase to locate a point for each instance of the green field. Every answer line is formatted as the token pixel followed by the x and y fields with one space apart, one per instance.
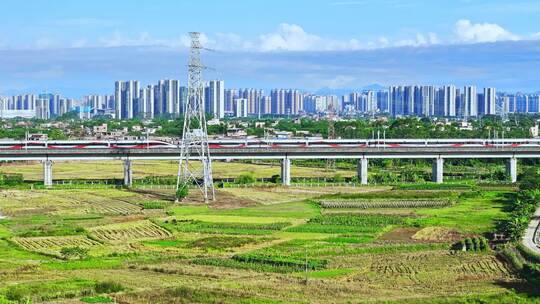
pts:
pixel 114 169
pixel 253 245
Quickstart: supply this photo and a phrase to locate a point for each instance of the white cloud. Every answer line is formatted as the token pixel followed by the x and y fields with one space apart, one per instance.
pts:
pixel 339 82
pixel 287 37
pixel 419 40
pixel 44 43
pixel 468 32
pixel 290 37
pixel 117 39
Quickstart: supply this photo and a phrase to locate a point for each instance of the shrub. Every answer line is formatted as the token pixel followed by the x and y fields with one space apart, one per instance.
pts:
pixel 4 300
pixel 108 287
pixel 275 179
pixel 182 192
pixel 246 178
pixel 11 179
pixel 532 273
pixel 154 205
pixel 74 253
pixel 472 244
pixel 338 178
pixel 469 244
pixel 530 179
pixel 15 294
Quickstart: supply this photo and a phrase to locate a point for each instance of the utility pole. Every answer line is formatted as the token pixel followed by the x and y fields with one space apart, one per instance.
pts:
pixel 194 145
pixel 330 162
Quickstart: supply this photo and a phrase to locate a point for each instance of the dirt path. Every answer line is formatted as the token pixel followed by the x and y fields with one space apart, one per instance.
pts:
pixel 531 239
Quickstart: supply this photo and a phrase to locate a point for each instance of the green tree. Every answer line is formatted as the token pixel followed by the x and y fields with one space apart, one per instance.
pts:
pixel 182 192
pixel 246 178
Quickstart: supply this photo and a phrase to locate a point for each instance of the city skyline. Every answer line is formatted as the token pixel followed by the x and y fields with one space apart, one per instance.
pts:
pixel 166 98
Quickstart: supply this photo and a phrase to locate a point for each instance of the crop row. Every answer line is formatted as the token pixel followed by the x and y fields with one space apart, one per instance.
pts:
pixel 365 220
pixel 54 242
pixel 385 204
pixel 394 194
pixel 231 263
pixel 347 223
pixel 132 231
pixel 281 261
pixel 228 228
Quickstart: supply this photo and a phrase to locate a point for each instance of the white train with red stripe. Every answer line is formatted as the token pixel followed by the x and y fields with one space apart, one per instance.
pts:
pixel 272 143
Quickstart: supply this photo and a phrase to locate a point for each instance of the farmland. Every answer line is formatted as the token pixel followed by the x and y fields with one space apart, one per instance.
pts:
pixel 254 245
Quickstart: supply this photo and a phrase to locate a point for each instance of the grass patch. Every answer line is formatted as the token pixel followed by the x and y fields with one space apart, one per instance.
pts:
pixel 97 299
pixel 154 205
pixel 4 232
pixel 348 223
pixel 224 228
pixel 164 243
pixel 435 186
pixel 484 211
pixel 222 242
pixel 108 287
pixel 264 263
pixel 48 290
pixel 91 263
pixel 329 273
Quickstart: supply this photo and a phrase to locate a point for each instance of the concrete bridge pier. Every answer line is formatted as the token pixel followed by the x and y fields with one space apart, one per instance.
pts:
pixel 47 173
pixel 128 173
pixel 286 171
pixel 511 169
pixel 437 170
pixel 362 170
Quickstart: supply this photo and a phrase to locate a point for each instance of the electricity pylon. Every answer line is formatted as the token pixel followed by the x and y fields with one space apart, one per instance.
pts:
pixel 194 146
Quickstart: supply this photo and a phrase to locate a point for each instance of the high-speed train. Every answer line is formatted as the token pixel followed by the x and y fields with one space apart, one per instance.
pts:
pixel 271 143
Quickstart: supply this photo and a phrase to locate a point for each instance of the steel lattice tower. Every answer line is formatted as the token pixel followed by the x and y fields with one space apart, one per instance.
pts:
pixel 195 165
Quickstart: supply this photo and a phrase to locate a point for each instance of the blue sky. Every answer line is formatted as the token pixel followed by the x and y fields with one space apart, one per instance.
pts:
pixel 80 47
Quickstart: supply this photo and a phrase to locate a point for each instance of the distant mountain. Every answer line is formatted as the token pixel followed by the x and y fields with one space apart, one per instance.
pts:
pixel 375 87
pixel 345 91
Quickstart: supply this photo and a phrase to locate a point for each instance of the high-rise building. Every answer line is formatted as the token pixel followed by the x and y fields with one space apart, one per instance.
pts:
pixel 240 107
pixel 522 103
pixel 277 97
pixel 126 96
pixel 294 102
pixel 382 101
pixel 42 106
pixel 450 94
pixel 470 102
pixel 428 101
pixel 214 96
pixel 147 102
pixel 396 100
pixel 408 100
pixel 371 102
pixel 230 96
pixel 534 104
pixel 489 102
pixel 266 105
pixel 96 103
pixel 253 97
pixel 65 105
pixel 167 98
